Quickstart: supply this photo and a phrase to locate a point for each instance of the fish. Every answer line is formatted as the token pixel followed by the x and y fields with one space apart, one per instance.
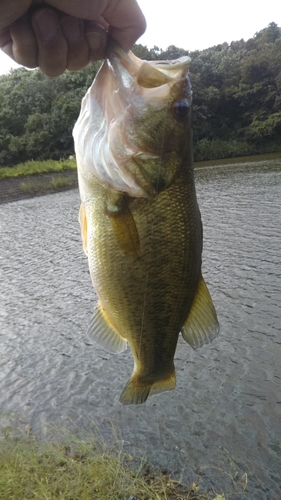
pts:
pixel 140 221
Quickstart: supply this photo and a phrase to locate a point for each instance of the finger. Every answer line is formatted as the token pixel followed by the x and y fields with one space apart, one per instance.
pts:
pixel 96 37
pixel 52 46
pixel 11 10
pixel 24 43
pixel 126 22
pixel 83 9
pixel 125 18
pixel 78 50
pixel 6 43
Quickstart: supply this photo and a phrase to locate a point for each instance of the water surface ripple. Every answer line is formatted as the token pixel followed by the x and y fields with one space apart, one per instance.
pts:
pixel 223 422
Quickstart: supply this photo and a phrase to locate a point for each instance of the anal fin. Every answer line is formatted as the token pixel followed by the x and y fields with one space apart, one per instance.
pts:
pixel 201 325
pixel 102 332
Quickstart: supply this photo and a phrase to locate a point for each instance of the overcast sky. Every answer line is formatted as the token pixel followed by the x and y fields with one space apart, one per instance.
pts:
pixel 198 24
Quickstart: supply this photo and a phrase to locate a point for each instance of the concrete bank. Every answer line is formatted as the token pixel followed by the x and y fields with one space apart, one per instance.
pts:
pixel 20 188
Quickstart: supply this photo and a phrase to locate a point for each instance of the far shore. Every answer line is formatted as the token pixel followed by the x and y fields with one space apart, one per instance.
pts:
pixel 37 184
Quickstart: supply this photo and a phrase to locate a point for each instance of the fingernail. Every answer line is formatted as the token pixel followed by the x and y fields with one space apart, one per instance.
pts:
pixel 47 23
pixel 97 41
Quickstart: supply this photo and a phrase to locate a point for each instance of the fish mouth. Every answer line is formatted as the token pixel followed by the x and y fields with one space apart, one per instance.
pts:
pixel 150 84
pixel 153 73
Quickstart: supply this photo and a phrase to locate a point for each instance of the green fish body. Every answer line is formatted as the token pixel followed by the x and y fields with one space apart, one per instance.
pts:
pixel 140 221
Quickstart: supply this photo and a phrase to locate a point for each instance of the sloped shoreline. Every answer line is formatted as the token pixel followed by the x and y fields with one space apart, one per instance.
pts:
pixel 19 188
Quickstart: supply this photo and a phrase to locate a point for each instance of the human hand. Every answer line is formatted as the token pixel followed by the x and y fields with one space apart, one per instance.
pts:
pixel 66 34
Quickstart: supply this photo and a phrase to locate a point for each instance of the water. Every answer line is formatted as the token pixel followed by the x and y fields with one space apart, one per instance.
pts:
pixel 222 425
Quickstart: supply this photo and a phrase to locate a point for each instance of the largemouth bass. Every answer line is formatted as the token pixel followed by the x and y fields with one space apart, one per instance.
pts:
pixel 140 221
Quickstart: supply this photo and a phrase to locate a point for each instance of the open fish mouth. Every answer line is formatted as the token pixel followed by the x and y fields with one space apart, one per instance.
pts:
pixel 110 134
pixel 153 73
pixel 146 77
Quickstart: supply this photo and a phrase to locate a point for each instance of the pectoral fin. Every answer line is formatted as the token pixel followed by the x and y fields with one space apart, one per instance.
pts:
pixel 201 325
pixel 84 228
pixel 102 332
pixel 124 227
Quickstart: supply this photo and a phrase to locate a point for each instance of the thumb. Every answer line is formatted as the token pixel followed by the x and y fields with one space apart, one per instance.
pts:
pixel 11 10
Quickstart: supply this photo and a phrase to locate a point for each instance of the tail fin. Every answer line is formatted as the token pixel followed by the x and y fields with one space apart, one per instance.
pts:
pixel 137 392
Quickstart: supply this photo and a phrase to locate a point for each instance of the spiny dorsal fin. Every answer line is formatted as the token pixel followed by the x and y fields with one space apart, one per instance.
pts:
pixel 201 325
pixel 101 332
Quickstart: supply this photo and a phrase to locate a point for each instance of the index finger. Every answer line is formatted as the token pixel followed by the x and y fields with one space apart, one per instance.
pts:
pixel 126 22
pixel 124 17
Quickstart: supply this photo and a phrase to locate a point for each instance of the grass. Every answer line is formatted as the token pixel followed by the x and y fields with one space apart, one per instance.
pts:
pixel 28 188
pixel 80 470
pixel 58 183
pixel 37 167
pixel 32 187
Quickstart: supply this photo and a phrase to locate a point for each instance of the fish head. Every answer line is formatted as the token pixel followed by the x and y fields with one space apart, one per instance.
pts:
pixel 134 132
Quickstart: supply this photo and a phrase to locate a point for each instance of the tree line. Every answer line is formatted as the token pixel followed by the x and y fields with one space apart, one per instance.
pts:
pixel 236 106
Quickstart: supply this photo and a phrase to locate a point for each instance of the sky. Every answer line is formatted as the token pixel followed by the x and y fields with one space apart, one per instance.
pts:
pixel 198 24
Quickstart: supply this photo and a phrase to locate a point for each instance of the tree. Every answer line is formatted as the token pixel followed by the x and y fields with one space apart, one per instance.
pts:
pixel 236 101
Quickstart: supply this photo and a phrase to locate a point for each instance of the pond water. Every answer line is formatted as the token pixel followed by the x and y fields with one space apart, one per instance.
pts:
pixel 223 422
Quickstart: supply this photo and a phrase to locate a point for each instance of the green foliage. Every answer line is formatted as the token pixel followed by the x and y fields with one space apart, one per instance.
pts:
pixel 37 113
pixel 37 167
pixel 237 101
pixel 264 129
pixel 206 149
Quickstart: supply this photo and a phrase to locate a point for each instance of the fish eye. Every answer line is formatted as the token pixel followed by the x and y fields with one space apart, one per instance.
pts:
pixel 181 109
